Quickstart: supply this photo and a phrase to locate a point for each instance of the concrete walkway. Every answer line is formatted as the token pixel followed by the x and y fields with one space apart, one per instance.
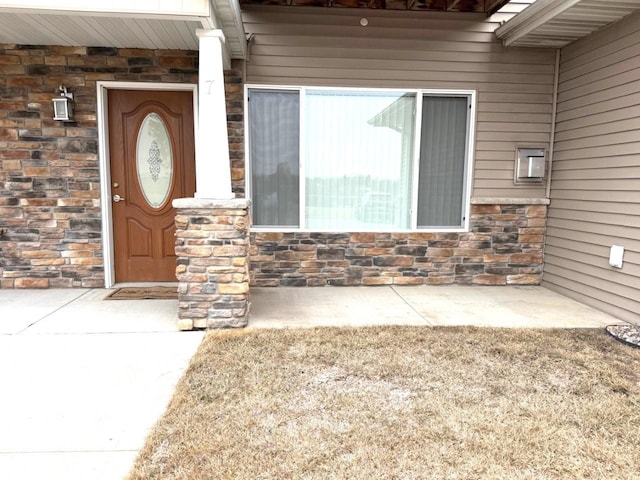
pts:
pixel 83 379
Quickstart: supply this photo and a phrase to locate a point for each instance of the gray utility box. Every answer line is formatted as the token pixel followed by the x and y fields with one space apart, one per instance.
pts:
pixel 530 165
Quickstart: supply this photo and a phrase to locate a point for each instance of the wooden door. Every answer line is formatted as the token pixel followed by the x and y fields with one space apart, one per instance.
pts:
pixel 151 146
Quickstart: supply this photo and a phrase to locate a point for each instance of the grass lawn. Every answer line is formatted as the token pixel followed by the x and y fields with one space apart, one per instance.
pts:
pixel 402 403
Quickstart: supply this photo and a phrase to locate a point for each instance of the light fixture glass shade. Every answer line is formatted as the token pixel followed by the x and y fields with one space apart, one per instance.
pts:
pixel 62 109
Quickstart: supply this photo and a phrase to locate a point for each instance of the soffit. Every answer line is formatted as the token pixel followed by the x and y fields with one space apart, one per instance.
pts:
pixel 123 30
pixel 510 10
pixel 97 31
pixel 227 13
pixel 556 23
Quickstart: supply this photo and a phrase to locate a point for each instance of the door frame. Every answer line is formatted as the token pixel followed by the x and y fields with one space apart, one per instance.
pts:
pixel 105 159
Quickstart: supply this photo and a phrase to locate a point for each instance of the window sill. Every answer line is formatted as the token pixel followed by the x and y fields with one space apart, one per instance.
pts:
pixel 336 231
pixel 509 201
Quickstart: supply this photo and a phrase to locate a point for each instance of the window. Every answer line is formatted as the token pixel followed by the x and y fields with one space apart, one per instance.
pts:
pixel 359 160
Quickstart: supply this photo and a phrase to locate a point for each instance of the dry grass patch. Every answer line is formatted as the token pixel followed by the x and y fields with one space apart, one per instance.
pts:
pixel 402 403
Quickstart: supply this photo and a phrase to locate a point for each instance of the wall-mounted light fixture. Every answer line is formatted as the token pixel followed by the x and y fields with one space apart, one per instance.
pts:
pixel 63 105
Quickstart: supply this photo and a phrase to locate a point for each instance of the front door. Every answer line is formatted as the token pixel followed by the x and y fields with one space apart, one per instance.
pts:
pixel 151 146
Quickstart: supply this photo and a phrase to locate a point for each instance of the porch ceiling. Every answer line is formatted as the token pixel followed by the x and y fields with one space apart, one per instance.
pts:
pixel 556 23
pixel 124 29
pixel 484 6
pixel 545 23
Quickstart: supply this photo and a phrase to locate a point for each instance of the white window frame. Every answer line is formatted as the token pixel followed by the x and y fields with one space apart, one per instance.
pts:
pixel 302 91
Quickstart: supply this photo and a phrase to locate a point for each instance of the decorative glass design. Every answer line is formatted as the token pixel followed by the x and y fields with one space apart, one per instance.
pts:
pixel 154 160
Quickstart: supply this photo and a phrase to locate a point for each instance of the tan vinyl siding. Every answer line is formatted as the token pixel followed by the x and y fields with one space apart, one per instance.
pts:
pixel 595 192
pixel 307 47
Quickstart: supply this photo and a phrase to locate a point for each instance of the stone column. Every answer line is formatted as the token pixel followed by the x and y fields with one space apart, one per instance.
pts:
pixel 212 246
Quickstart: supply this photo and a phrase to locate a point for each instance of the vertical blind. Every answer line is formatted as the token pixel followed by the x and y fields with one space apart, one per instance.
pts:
pixel 442 161
pixel 274 125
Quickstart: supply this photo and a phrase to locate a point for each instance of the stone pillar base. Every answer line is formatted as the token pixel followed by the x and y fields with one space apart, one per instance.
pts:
pixel 212 246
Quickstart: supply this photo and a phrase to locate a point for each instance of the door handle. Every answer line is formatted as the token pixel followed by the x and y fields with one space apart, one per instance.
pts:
pixel 117 198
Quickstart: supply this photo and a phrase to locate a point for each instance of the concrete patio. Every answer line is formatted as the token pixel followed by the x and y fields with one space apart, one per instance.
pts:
pixel 455 305
pixel 85 379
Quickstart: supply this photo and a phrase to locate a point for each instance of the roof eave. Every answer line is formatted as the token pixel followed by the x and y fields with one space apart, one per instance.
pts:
pixel 229 19
pixel 532 18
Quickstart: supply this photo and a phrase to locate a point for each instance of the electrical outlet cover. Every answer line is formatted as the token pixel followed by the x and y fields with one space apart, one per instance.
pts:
pixel 616 256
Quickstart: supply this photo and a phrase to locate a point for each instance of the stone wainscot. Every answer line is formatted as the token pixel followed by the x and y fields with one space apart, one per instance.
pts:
pixel 503 247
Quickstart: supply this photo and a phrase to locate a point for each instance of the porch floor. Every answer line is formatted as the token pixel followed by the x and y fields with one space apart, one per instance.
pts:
pixel 82 311
pixel 454 305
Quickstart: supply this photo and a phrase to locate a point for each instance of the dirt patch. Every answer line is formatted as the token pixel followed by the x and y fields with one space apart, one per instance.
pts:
pixel 402 402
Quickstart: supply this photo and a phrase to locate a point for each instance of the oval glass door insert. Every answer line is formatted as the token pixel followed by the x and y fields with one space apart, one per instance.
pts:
pixel 154 160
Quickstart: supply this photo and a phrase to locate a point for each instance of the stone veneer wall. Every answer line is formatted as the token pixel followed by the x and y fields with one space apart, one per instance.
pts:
pixel 50 218
pixel 212 245
pixel 504 247
pixel 234 92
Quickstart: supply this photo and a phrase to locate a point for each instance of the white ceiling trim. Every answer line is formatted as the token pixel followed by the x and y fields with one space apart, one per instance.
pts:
pixel 193 8
pixel 556 23
pixel 88 13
